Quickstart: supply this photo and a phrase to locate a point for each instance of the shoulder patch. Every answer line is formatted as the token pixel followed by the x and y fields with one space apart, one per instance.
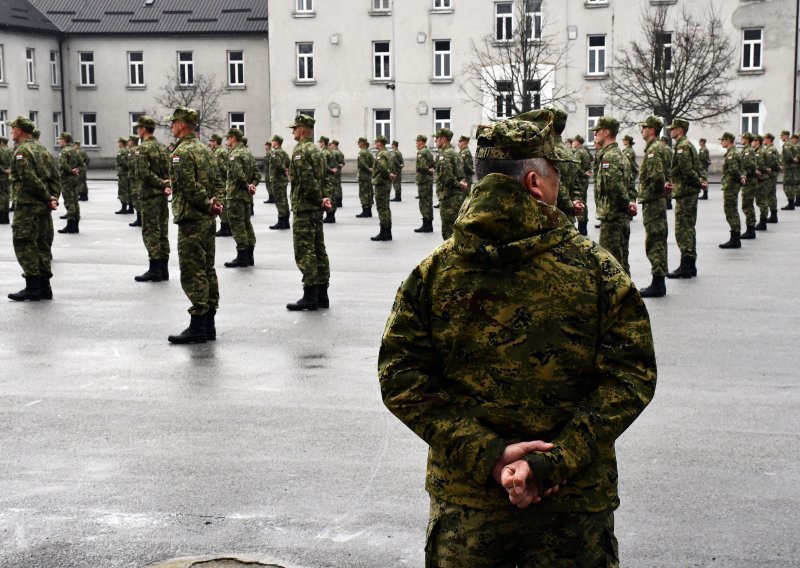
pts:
pixel 605 165
pixel 18 156
pixel 651 155
pixel 176 159
pixel 680 151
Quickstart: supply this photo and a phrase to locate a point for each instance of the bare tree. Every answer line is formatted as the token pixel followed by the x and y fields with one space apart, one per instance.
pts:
pixel 686 72
pixel 513 69
pixel 203 95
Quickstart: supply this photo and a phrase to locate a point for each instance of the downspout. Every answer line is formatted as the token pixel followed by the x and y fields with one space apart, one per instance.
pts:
pixel 794 86
pixel 61 39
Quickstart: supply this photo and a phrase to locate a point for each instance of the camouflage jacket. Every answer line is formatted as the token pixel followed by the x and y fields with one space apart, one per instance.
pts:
pixel 612 184
pixel 85 159
pixel 789 152
pixel 329 164
pixel 278 166
pixel 239 174
pixel 338 158
pixel 448 173
pixel 52 178
pixel 304 170
pixel 749 165
pixel 518 329
pixel 686 173
pixel 382 168
pixel 630 153
pixel 651 174
pixel 731 169
pixel 584 165
pixel 29 176
pixel 705 159
pixel 467 163
pixel 150 167
pixel 761 163
pixel 425 163
pixel 666 158
pixel 68 160
pixel 219 163
pixel 191 179
pixel 365 162
pixel 772 160
pixel 122 163
pixel 6 159
pixel 397 161
pixel 570 188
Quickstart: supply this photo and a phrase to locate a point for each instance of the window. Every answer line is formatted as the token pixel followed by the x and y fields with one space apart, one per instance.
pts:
pixel 135 69
pixel 306 111
pixel 2 66
pixel 533 19
pixel 34 117
pixel 441 59
pixel 592 114
pixel 663 52
pixel 55 76
pixel 751 116
pixel 442 4
pixel 86 60
pixel 441 118
pixel 3 127
pixel 597 55
pixel 236 120
pixel 381 5
pixel 504 99
pixel 89 128
pixel 304 6
pixel 504 18
pixel 30 65
pixel 382 59
pixel 56 127
pixel 134 119
pixel 383 123
pixel 305 61
pixel 185 68
pixel 591 2
pixel 236 68
pixel 751 48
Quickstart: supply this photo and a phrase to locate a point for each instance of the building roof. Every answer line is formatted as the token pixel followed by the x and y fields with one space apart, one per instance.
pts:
pixel 156 16
pixel 22 15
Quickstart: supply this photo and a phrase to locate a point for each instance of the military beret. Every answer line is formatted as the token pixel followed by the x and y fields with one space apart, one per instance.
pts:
pixel 629 139
pixel 303 120
pixel 133 139
pixel 335 142
pixel 324 139
pixel 382 139
pixel 146 122
pixel 235 133
pixel 395 143
pixel 463 138
pixel 529 135
pixel 446 132
pixel 66 136
pixel 559 119
pixel 122 140
pixel 24 124
pixel 680 123
pixel 3 139
pixel 747 135
pixel 362 140
pixel 276 138
pixel 216 138
pixel 422 138
pixel 785 133
pixel 769 135
pixel 36 133
pixel 728 136
pixel 188 115
pixel 607 122
pixel 579 138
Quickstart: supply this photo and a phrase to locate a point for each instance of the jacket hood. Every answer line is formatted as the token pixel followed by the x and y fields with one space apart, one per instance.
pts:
pixel 501 223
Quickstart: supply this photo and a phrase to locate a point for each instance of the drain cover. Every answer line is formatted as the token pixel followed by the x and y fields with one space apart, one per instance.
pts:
pixel 212 562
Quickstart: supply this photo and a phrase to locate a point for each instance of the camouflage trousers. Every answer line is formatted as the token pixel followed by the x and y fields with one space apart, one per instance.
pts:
pixel 656 231
pixel 365 192
pixel 32 238
pixel 329 191
pixel 337 189
pixel 382 193
pixel 585 198
pixel 791 183
pixel 772 193
pixel 241 226
pixel 5 194
pixel 730 199
pixel 123 190
pixel 69 191
pixel 507 537
pixel 281 198
pixel 397 184
pixel 425 194
pixel 196 255
pixel 83 188
pixel 748 204
pixel 685 223
pixel 762 198
pixel 615 236
pixel 268 186
pixel 449 206
pixel 310 254
pixel 221 196
pixel 155 227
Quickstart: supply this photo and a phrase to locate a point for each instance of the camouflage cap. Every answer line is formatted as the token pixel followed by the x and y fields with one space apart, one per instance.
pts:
pixel 728 136
pixel 395 143
pixel 422 138
pixel 446 132
pixel 680 123
pixel 606 122
pixel 36 133
pixel 324 139
pixel 785 133
pixel 244 140
pixel 303 120
pixel 235 133
pixel 580 139
pixel 559 119
pixel 24 124
pixel 629 139
pixel 463 138
pixel 769 135
pixel 652 122
pixel 747 135
pixel 122 140
pixel 146 122
pixel 216 138
pixel 76 142
pixel 335 142
pixel 276 138
pixel 66 136
pixel 362 140
pixel 188 115
pixel 382 139
pixel 529 135
pixel 758 138
pixel 133 138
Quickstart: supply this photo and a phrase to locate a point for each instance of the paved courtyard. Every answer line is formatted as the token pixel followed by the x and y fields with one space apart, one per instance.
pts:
pixel 118 449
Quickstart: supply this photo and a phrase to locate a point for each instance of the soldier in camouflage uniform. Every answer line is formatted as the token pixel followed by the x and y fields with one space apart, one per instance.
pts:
pixel 308 203
pixel 585 173
pixel 705 163
pixel 83 191
pixel 70 167
pixel 686 182
pixel 382 177
pixel 267 182
pixel 194 206
pixel 789 165
pixel 762 202
pixel 614 201
pixel 239 192
pixel 450 184
pixel 219 165
pixel 467 161
pixel 328 176
pixel 123 183
pixel 279 179
pixel 773 164
pixel 6 159
pixel 365 192
pixel 630 153
pixel 33 176
pixel 654 207
pixel 338 157
pixel 570 188
pixel 135 206
pixel 480 358
pixel 397 170
pixel 150 176
pixel 732 180
pixel 749 167
pixel 425 171
pixel 668 153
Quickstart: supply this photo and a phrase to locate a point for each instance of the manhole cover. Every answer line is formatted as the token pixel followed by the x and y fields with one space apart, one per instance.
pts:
pixel 212 562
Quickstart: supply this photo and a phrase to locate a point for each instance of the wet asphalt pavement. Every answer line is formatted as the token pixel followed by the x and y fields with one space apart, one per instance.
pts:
pixel 118 449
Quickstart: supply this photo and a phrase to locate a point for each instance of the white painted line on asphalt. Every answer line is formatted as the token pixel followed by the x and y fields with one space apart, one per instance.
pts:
pixel 87 385
pixel 34 402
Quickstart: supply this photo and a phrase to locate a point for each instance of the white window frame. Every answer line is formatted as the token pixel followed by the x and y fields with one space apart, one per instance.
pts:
pixel 503 104
pixel 135 69
pixel 442 118
pixel 57 121
pixel 234 122
pixel 89 129
pixel 236 68
pixel 593 113
pixel 533 19
pixel 2 65
pixel 304 65
pixel 134 116
pixel 597 1
pixel 55 74
pixel 382 126
pixel 753 50
pixel 186 69
pixel 503 22
pixel 380 5
pixel 3 127
pixel 442 59
pixel 30 65
pixel 306 111
pixel 442 4
pixel 33 115
pixel 596 55
pixel 304 6
pixel 751 121
pixel 381 61
pixel 86 69
pixel 664 54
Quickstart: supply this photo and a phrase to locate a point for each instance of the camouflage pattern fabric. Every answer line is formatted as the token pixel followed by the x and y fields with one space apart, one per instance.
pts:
pixel 238 198
pixel 239 219
pixel 135 197
pixel 219 167
pixel 581 154
pixel 123 182
pixel 339 160
pixel 329 178
pixel 749 188
pixel 83 190
pixel 449 193
pixel 630 153
pixel 71 183
pixel 612 198
pixel 397 168
pixel 654 208
pixel 459 536
pixel 150 167
pixel 773 164
pixel 570 186
pixel 425 163
pixel 381 169
pixel 267 180
pixel 467 166
pixel 791 177
pixel 518 328
pixel 705 160
pixel 687 175
pixel 365 191
pixel 731 182
pixel 762 189
pixel 155 227
pixel 6 159
pixel 279 180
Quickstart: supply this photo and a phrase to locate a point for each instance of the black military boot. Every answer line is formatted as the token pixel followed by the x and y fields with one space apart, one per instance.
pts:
pixel 657 288
pixel 322 296
pixel 76 226
pixel 45 289
pixel 123 210
pixel 749 233
pixel 704 195
pixel 385 234
pixel 329 218
pixel 762 224
pixel 683 270
pixel 669 204
pixel 733 243
pixel 131 209
pixel 397 197
pixel 137 222
pixel 224 230
pixel 211 325
pixel 163 265
pixel 271 199
pixel 796 202
pixel 286 224
pixel 69 229
pixel 692 264
pixel 278 225
pixel 31 292
pixel 153 273
pixel 251 261
pixel 789 206
pixel 773 217
pixel 339 204
pixel 64 216
pixel 365 213
pixel 240 261
pixel 307 302
pixel 427 226
pixel 4 220
pixel 582 228
pixel 195 333
pixel 83 197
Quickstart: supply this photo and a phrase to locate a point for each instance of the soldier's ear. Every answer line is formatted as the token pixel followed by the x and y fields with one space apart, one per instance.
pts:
pixel 530 181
